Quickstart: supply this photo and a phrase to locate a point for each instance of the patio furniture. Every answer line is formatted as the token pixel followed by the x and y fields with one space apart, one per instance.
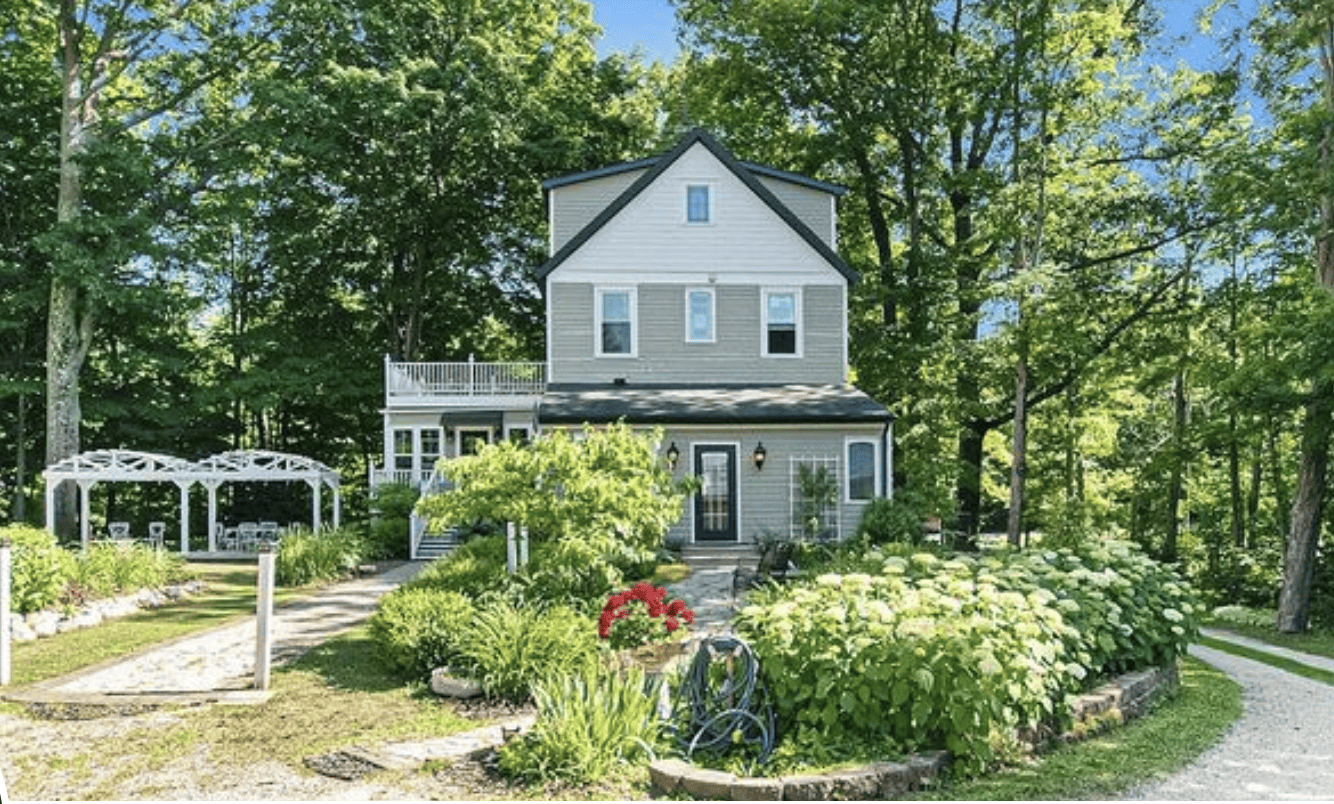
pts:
pixel 228 538
pixel 157 532
pixel 268 533
pixel 247 534
pixel 118 531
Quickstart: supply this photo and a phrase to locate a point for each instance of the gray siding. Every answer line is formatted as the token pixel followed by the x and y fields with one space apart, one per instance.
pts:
pixel 812 206
pixel 664 355
pixel 766 495
pixel 575 205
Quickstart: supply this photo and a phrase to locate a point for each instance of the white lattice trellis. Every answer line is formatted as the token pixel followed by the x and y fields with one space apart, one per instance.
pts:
pixel 813 517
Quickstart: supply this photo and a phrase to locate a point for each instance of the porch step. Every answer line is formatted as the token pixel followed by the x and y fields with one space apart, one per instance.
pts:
pixel 720 556
pixel 433 547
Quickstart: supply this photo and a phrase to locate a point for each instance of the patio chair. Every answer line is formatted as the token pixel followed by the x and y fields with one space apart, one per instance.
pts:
pixel 268 532
pixel 157 532
pixel 118 531
pixel 248 534
pixel 228 539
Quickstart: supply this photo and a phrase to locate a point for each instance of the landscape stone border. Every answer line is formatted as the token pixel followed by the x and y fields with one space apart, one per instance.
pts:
pixel 1125 697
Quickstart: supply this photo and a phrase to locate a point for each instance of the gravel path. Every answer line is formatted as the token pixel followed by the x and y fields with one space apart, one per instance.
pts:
pixel 1282 748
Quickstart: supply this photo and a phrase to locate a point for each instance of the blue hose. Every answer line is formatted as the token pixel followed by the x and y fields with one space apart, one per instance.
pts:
pixel 715 717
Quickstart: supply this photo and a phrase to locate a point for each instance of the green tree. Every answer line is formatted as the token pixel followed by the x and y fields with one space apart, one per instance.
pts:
pixel 947 120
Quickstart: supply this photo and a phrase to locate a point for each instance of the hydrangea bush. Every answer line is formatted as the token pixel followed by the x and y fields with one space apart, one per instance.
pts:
pixel 931 652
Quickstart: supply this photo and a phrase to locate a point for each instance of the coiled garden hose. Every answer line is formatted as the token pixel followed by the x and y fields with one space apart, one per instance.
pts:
pixel 715 718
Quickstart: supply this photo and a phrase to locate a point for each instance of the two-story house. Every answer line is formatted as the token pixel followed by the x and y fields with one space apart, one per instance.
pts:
pixel 700 294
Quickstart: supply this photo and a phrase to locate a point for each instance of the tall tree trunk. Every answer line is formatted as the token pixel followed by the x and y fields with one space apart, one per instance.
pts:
pixel 1019 466
pixel 70 317
pixel 1299 557
pixel 1176 488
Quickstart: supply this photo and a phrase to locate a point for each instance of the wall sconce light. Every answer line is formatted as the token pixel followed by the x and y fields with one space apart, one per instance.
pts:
pixel 673 455
pixel 759 455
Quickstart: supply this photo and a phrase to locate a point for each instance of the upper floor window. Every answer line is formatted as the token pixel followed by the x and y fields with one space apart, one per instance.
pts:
pixel 863 470
pixel 698 204
pixel 699 316
pixel 782 317
pixel 615 321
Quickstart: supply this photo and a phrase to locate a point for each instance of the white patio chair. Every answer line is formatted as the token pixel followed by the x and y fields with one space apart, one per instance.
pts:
pixel 157 531
pixel 118 531
pixel 248 534
pixel 268 532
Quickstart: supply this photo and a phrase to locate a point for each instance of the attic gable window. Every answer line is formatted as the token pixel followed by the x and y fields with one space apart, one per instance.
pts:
pixel 615 322
pixel 698 206
pixel 782 317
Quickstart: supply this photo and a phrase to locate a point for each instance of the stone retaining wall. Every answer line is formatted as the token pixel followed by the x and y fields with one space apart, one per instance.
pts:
pixel 1124 698
pixel 49 622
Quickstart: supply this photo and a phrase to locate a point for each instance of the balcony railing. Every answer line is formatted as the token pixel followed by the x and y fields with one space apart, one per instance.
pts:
pixel 467 380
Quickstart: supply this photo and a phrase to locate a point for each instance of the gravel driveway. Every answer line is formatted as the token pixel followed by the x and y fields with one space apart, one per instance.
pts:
pixel 1282 748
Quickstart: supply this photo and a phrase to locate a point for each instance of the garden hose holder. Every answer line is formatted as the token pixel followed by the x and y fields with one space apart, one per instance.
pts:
pixel 720 709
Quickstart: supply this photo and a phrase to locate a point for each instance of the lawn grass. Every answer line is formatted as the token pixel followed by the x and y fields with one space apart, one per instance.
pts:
pixel 1320 643
pixel 1165 741
pixel 1281 662
pixel 337 695
pixel 229 595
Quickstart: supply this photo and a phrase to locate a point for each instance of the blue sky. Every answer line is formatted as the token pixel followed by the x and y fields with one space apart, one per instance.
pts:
pixel 652 25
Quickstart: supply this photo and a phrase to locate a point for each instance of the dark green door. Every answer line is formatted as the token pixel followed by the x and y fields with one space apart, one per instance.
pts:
pixel 715 504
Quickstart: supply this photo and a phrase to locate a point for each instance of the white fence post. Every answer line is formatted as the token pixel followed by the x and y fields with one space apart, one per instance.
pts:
pixel 5 658
pixel 523 546
pixel 511 549
pixel 264 617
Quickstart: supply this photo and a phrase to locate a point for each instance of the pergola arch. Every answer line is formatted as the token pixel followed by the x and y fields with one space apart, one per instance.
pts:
pixel 87 469
pixel 266 466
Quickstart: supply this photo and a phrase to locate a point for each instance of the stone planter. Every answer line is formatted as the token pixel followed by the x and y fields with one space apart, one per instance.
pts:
pixel 655 658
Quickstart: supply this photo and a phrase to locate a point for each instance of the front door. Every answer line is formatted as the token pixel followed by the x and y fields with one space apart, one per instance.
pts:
pixel 715 504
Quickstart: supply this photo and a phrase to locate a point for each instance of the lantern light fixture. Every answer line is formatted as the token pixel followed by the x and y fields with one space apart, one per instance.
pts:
pixel 759 456
pixel 673 455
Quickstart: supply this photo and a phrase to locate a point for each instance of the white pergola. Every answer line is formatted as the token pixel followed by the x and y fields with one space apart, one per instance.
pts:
pixel 87 469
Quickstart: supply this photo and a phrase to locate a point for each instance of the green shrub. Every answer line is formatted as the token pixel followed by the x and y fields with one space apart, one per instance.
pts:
pixel 510 650
pixel 110 568
pixel 897 519
pixel 41 569
pixel 590 722
pixel 391 509
pixel 943 652
pixel 418 630
pixel 307 556
pixel 473 568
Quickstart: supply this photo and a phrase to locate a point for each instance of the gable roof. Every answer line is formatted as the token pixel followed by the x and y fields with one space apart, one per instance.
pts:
pixel 744 172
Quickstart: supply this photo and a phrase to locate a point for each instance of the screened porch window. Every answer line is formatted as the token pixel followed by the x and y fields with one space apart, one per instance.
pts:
pixel 861 470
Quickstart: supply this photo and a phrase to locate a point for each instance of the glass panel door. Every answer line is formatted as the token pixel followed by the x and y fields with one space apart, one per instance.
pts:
pixel 715 504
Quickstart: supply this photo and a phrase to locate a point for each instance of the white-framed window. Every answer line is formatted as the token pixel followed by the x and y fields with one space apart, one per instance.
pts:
pixel 781 315
pixel 616 312
pixel 813 497
pixel 432 447
pixel 403 450
pixel 700 315
pixel 699 203
pixel 863 469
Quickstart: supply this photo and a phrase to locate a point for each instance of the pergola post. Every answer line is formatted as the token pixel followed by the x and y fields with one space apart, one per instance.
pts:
pixel 338 507
pixel 315 504
pixel 85 511
pixel 184 486
pixel 212 487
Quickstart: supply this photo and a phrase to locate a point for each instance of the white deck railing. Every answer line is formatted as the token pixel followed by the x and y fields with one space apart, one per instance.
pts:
pixel 470 379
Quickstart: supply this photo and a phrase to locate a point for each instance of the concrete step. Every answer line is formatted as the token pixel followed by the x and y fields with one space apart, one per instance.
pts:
pixel 720 556
pixel 433 547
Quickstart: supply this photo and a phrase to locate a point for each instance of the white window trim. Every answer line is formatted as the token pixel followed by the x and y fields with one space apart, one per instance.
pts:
pixel 713 315
pixel 598 293
pixel 765 293
pixel 877 480
pixel 685 203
